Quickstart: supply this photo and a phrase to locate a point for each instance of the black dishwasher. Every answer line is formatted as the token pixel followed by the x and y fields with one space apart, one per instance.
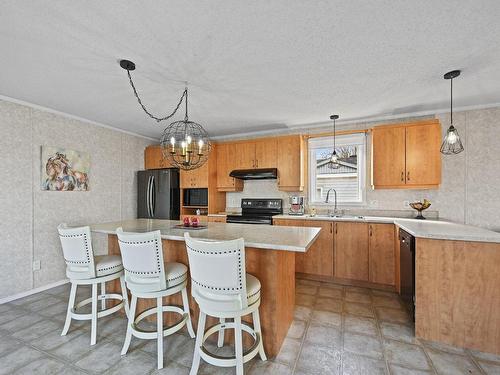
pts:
pixel 407 269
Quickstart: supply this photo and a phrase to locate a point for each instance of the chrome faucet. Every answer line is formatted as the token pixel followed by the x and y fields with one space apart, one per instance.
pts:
pixel 335 196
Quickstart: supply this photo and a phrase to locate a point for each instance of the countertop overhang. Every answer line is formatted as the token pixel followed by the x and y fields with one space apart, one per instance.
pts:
pixel 432 229
pixel 295 239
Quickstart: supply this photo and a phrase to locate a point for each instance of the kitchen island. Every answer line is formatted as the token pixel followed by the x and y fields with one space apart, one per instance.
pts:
pixel 270 256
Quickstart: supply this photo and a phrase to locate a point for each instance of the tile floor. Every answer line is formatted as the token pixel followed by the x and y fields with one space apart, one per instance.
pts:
pixel 337 330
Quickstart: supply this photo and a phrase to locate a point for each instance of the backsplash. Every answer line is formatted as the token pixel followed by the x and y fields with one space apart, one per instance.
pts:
pixel 257 189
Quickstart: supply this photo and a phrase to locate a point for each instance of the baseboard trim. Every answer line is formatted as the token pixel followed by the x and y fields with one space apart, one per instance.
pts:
pixel 33 291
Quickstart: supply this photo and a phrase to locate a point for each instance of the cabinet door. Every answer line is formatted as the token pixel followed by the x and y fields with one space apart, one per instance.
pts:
pixel 381 253
pixel 318 260
pixel 196 178
pixel 351 250
pixel 245 156
pixel 388 156
pixel 226 162
pixel 266 153
pixel 291 163
pixel 423 158
pixel 153 158
pixel 216 219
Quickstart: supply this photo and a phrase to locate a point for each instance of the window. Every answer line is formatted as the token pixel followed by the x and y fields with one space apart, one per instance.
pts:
pixel 348 179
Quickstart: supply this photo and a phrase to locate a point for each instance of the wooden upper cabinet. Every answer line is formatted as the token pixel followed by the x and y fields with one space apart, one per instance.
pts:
pixel 318 260
pixel 388 156
pixel 196 178
pixel 406 156
pixel 381 253
pixel 153 158
pixel 226 162
pixel 266 153
pixel 291 163
pixel 351 250
pixel 423 158
pixel 245 155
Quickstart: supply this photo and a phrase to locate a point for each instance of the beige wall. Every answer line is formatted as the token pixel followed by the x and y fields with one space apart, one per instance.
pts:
pixel 470 189
pixel 29 216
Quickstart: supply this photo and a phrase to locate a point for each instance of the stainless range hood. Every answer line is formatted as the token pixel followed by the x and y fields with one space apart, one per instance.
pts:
pixel 255 174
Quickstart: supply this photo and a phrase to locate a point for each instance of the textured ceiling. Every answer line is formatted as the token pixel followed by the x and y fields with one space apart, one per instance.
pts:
pixel 253 65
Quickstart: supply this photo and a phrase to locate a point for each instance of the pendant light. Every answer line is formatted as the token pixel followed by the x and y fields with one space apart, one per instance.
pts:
pixel 185 143
pixel 451 143
pixel 334 159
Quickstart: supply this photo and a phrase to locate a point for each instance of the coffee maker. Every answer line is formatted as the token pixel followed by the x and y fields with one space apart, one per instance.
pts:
pixel 296 205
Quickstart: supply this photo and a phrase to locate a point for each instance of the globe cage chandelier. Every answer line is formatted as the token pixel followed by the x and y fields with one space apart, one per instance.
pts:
pixel 334 159
pixel 185 144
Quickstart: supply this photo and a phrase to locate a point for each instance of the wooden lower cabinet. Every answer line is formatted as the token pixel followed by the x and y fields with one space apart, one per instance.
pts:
pixel 351 251
pixel 216 219
pixel 381 254
pixel 318 260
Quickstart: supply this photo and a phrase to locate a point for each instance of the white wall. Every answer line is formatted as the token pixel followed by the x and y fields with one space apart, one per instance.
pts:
pixel 470 189
pixel 29 216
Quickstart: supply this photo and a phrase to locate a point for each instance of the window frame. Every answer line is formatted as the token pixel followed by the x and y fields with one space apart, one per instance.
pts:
pixel 358 140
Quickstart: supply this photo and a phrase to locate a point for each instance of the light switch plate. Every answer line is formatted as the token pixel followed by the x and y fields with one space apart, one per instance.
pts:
pixel 406 204
pixel 36 265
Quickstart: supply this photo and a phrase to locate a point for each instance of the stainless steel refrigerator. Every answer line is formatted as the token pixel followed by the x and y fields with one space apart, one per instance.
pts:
pixel 158 194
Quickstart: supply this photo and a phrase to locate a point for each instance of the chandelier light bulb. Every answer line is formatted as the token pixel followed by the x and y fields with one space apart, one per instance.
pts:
pixel 183 145
pixel 200 147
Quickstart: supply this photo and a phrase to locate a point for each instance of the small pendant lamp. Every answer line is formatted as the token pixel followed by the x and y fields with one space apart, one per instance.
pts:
pixel 451 143
pixel 334 159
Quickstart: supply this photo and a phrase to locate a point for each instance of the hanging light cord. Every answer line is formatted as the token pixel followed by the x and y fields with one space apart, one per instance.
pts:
pixel 451 102
pixel 158 119
pixel 334 136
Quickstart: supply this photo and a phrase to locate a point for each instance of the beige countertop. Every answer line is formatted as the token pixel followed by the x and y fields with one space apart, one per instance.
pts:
pixel 433 229
pixel 297 239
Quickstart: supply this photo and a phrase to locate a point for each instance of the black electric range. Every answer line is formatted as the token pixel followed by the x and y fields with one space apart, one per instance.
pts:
pixel 257 211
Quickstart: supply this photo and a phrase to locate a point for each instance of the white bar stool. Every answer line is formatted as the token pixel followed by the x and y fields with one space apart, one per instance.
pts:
pixel 147 276
pixel 223 289
pixel 83 268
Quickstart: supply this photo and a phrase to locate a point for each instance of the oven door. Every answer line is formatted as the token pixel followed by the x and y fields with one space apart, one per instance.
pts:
pixel 249 219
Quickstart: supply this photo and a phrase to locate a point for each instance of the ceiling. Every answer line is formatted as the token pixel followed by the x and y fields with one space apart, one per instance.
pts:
pixel 251 66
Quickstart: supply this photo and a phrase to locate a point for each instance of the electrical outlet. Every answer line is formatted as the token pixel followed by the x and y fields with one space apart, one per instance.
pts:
pixel 36 265
pixel 374 203
pixel 406 204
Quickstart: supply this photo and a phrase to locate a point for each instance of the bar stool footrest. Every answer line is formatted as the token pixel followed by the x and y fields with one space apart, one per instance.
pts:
pixel 152 335
pixel 229 361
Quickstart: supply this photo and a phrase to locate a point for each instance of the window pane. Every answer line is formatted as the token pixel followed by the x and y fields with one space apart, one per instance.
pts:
pixel 343 177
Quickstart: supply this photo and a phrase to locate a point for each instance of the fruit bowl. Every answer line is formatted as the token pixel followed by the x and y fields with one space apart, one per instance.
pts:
pixel 420 206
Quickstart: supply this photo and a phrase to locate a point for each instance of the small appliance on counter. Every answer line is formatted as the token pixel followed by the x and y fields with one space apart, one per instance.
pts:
pixel 296 205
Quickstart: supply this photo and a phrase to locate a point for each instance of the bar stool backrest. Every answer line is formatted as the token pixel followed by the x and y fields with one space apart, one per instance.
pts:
pixel 142 257
pixel 77 250
pixel 218 276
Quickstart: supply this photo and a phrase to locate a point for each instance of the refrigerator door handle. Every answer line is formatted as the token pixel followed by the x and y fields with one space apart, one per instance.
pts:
pixel 148 196
pixel 153 196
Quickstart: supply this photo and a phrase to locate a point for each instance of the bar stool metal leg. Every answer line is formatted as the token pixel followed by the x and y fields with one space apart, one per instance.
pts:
pixel 71 305
pixel 131 318
pixel 238 344
pixel 185 303
pixel 93 331
pixel 220 340
pixel 198 344
pixel 159 330
pixel 257 329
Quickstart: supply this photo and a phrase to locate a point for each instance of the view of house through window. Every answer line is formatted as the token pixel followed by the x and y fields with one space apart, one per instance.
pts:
pixel 346 177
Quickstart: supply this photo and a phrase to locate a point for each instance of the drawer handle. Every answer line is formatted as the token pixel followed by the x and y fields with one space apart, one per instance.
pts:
pixel 408 176
pixel 402 176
